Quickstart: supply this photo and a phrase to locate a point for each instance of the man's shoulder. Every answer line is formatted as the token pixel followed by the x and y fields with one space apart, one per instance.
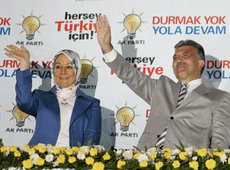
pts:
pixel 216 92
pixel 165 78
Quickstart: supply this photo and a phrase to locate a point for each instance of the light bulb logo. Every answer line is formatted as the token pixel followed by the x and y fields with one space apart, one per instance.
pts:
pixel 131 23
pixel 20 116
pixel 125 115
pixel 30 25
pixel 86 69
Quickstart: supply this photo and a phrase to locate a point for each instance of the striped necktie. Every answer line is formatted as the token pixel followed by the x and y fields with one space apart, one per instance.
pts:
pixel 182 94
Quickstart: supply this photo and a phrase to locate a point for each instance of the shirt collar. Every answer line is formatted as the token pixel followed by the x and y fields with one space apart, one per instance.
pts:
pixel 193 84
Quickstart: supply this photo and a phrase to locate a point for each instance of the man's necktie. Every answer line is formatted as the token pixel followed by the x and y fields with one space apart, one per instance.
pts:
pixel 182 94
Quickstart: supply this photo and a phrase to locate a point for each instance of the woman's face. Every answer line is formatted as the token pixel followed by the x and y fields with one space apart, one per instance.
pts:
pixel 64 72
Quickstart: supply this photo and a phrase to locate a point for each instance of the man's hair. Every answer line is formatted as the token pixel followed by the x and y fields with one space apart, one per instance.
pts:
pixel 197 46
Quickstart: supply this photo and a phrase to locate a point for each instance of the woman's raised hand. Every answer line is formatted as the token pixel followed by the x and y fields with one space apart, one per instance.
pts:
pixel 21 54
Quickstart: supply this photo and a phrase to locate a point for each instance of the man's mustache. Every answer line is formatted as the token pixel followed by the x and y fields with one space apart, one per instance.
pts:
pixel 180 64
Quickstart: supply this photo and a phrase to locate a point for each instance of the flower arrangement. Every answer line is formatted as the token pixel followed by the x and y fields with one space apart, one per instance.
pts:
pixel 97 158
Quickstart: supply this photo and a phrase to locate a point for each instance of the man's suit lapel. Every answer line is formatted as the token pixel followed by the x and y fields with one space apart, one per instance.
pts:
pixel 80 106
pixel 176 89
pixel 199 91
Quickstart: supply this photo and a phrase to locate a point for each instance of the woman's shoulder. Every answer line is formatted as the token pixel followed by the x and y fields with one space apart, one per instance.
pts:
pixel 40 92
pixel 84 96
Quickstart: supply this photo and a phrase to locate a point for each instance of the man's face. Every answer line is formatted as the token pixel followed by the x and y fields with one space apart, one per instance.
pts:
pixel 186 65
pixel 64 72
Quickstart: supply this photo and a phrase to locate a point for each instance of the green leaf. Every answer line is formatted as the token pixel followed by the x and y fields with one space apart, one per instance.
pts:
pixel 1 143
pixel 78 144
pixel 89 142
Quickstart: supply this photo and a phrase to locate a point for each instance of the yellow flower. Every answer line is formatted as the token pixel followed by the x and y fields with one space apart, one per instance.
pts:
pixel 62 148
pixel 120 163
pixel 106 156
pixel 56 150
pixel 3 148
pixel 176 164
pixel 93 152
pixel 210 164
pixel 136 155
pixel 49 146
pixel 89 160
pixel 229 160
pixel 17 154
pixel 37 147
pixel 167 150
pixel 27 164
pixel 98 166
pixel 61 159
pixel 183 155
pixel 31 151
pixel 26 146
pixel 72 159
pixel 75 149
pixel 167 155
pixel 143 164
pixel 12 148
pixel 153 156
pixel 194 165
pixel 158 165
pixel 82 151
pixel 219 154
pixel 42 150
pixel 202 152
pixel 40 161
pixel 69 152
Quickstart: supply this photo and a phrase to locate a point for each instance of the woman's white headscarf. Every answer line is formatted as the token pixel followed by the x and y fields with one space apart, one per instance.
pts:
pixel 76 61
pixel 64 94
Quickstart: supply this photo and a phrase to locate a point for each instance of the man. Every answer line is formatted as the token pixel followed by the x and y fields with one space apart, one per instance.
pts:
pixel 195 116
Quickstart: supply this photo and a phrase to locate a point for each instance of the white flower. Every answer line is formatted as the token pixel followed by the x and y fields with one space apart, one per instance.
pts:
pixel 55 164
pixel 13 168
pixel 81 156
pixel 151 150
pixel 223 158
pixel 7 151
pixel 49 148
pixel 99 147
pixel 85 149
pixel 42 145
pixel 49 158
pixel 142 157
pixel 189 151
pixel 59 169
pixel 227 150
pixel 175 152
pixel 23 148
pixel 194 158
pixel 119 152
pixel 34 158
pixel 128 154
pixel 172 157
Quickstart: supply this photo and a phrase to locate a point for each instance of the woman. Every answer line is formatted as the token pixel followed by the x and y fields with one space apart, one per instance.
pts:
pixel 65 116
